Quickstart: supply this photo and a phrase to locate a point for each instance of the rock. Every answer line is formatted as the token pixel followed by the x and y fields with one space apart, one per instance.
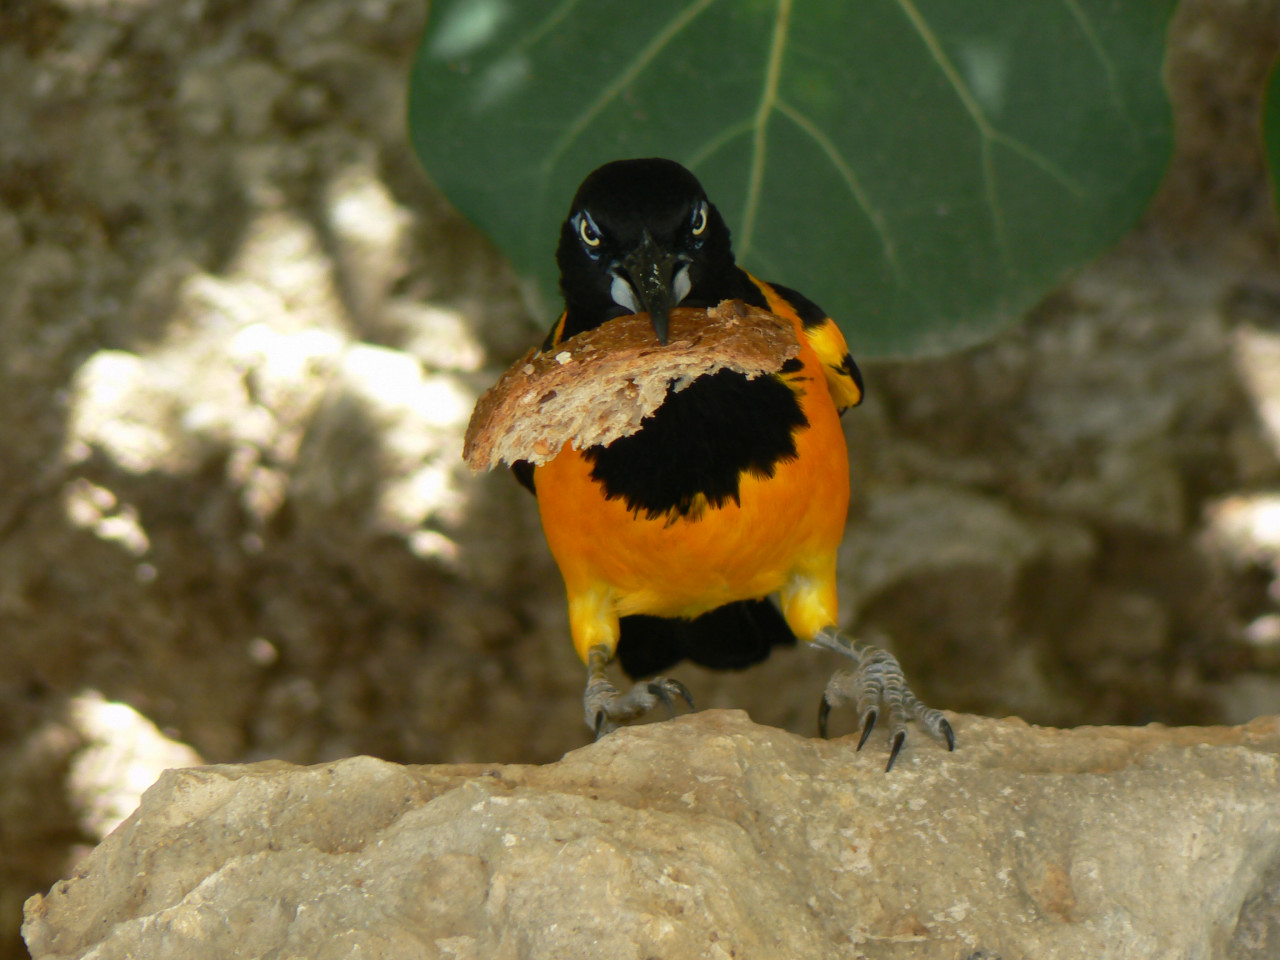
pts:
pixel 706 836
pixel 216 510
pixel 122 754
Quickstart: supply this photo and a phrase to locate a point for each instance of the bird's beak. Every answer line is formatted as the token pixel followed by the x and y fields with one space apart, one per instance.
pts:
pixel 651 271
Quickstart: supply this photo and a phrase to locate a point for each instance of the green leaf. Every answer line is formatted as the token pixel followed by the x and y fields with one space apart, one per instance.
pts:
pixel 924 169
pixel 1271 131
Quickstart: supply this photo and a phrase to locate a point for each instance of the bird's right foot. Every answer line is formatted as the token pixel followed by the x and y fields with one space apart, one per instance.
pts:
pixel 875 685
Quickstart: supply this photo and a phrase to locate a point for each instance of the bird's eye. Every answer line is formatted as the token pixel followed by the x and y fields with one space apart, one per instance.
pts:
pixel 700 219
pixel 588 232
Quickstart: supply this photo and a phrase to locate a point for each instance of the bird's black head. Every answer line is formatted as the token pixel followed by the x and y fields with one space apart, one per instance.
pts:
pixel 642 236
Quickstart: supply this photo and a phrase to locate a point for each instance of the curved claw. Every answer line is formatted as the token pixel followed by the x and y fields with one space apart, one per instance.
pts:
pixel 868 724
pixel 899 739
pixel 949 734
pixel 688 697
pixel 664 687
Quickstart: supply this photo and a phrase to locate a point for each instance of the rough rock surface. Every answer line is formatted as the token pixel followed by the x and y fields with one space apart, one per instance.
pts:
pixel 706 836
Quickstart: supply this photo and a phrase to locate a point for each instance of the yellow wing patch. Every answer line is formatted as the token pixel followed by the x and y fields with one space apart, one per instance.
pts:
pixel 843 379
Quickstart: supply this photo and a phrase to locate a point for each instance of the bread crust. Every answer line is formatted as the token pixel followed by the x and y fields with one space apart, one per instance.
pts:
pixel 600 385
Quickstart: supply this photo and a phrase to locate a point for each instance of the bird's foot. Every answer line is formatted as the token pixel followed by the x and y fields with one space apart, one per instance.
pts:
pixel 877 684
pixel 605 707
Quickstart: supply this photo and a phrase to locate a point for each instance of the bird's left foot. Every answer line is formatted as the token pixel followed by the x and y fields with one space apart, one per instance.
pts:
pixel 877 684
pixel 605 707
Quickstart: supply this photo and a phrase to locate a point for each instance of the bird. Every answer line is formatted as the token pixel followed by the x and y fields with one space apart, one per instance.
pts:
pixel 672 540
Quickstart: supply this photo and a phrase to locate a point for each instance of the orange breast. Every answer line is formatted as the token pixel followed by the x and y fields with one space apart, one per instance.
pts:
pixel 792 521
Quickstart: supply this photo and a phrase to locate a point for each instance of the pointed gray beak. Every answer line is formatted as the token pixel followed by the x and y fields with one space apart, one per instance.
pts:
pixel 652 271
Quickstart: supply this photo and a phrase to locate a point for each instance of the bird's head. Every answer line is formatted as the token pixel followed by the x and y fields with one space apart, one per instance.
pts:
pixel 640 236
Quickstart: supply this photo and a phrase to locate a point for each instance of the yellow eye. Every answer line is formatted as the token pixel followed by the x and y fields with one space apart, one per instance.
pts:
pixel 588 232
pixel 700 220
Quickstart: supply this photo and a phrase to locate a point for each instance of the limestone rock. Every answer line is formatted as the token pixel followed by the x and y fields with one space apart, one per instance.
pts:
pixel 706 836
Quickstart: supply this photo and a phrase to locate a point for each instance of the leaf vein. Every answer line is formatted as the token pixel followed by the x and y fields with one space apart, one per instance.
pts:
pixel 851 181
pixel 768 100
pixel 716 143
pixel 551 21
pixel 611 90
pixel 988 132
pixel 1099 51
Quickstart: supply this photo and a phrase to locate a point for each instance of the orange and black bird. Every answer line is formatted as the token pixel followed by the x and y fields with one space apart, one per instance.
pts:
pixel 672 539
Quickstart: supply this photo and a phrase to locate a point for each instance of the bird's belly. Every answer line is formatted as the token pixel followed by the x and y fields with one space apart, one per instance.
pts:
pixel 686 565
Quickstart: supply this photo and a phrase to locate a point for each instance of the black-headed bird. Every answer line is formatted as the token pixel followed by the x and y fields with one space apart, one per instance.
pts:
pixel 671 540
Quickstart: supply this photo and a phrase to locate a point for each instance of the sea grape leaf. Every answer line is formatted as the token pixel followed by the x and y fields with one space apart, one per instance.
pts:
pixel 1271 131
pixel 924 169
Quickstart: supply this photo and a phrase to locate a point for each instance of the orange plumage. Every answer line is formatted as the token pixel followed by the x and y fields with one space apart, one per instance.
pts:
pixel 781 535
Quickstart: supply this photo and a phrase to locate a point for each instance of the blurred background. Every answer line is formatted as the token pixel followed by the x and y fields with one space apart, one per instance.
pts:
pixel 241 335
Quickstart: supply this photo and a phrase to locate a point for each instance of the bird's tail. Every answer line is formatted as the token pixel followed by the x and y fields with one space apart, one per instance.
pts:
pixel 727 638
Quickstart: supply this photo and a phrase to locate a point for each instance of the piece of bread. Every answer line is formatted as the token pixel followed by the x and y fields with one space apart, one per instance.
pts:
pixel 599 385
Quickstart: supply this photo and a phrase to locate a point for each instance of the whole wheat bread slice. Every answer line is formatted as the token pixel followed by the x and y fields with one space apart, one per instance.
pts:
pixel 601 384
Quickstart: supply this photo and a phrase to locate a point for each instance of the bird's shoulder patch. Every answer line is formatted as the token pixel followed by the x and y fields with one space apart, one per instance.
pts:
pixel 844 379
pixel 810 314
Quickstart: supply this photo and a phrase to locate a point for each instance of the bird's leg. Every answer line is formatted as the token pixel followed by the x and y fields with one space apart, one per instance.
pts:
pixel 604 707
pixel 875 684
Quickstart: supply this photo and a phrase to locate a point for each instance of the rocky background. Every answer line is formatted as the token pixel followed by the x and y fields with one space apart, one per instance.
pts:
pixel 240 335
